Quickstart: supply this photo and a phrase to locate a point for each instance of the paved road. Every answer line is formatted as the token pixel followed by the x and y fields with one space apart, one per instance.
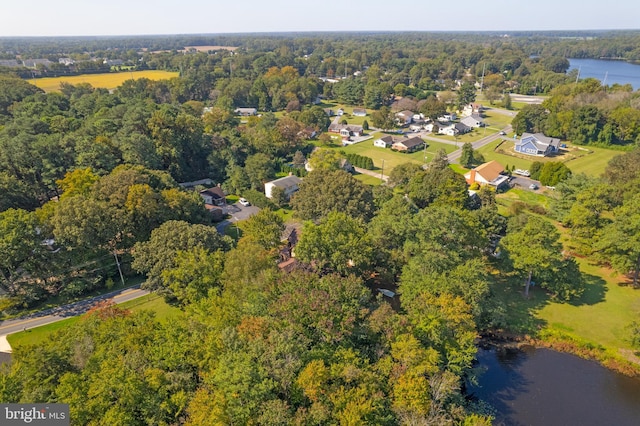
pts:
pixel 455 155
pixel 62 312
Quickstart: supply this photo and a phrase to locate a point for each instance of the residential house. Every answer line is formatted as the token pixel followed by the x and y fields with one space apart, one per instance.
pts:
pixel 9 63
pixel 472 108
pixel 416 127
pixel 462 128
pixel 33 63
pixel 474 120
pixel 214 196
pixel 404 118
pixel 113 62
pixel 216 212
pixel 347 131
pixel 66 61
pixel 384 142
pixel 359 112
pixel 487 174
pixel 340 112
pixel 435 126
pixel 245 112
pixel 537 144
pixel 448 117
pixel 289 185
pixel 308 133
pixel 408 144
pixel 448 129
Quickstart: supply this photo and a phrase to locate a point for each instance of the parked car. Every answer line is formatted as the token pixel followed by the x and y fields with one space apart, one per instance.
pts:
pixel 502 133
pixel 533 186
pixel 244 202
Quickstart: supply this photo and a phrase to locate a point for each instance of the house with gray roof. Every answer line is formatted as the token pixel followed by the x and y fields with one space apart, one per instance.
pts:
pixel 537 144
pixel 474 120
pixel 288 184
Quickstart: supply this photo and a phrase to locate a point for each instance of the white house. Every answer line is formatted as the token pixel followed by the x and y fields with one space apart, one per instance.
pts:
pixel 384 142
pixel 404 117
pixel 289 184
pixel 359 112
pixel 449 116
pixel 245 112
pixel 474 120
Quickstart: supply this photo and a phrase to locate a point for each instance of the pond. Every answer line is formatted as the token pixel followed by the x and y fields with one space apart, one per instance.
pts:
pixel 544 387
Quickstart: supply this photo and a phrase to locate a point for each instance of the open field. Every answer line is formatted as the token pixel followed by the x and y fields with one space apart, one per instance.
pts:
pixel 591 161
pixel 150 302
pixel 106 80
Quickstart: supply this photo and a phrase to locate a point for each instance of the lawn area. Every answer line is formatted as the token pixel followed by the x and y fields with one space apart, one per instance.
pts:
pixel 150 302
pixel 392 158
pixel 603 312
pixel 591 161
pixel 105 80
pixel 369 180
pixel 530 197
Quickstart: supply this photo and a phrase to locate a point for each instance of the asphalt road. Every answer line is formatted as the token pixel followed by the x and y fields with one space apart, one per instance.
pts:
pixel 66 311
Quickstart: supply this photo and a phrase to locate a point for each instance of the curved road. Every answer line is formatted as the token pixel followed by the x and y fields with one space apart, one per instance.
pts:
pixel 62 312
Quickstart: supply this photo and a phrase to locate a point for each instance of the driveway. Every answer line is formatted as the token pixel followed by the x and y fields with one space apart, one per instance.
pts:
pixel 236 213
pixel 524 183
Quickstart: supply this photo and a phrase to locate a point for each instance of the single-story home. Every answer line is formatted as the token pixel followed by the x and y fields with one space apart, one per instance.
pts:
pixel 462 128
pixel 214 196
pixel 360 112
pixel 289 184
pixel 448 117
pixel 408 145
pixel 537 144
pixel 245 112
pixel 388 140
pixel 435 126
pixel 347 131
pixel 448 129
pixel 487 174
pixel 404 117
pixel 474 120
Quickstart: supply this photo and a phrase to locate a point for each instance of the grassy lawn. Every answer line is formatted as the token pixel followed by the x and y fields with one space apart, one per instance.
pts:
pixel 369 180
pixel 523 195
pixel 603 312
pixel 591 161
pixel 151 302
pixel 392 158
pixel 106 80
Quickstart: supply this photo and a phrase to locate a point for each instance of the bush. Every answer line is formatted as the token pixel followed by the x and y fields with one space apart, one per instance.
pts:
pixel 360 161
pixel 258 199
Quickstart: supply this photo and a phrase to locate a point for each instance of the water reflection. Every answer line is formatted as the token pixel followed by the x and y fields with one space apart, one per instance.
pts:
pixel 543 387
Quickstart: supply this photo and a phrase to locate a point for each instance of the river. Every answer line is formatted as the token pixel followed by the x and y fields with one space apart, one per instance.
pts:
pixel 615 71
pixel 544 387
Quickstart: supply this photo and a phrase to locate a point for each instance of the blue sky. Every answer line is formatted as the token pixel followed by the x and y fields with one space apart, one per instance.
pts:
pixel 118 17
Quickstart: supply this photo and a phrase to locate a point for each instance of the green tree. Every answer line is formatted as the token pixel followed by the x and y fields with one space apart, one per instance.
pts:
pixel 466 94
pixel 438 186
pixel 265 228
pixel 324 159
pixel 195 273
pixel 554 172
pixel 323 192
pixel 403 173
pixel 467 156
pixel 157 254
pixel 259 169
pixel 621 240
pixel 338 242
pixel 533 249
pixel 506 101
pixel 383 118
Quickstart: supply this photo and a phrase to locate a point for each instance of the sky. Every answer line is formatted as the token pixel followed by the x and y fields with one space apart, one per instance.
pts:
pixel 138 17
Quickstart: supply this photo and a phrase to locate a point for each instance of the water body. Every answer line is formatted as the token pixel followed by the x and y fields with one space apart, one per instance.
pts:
pixel 544 387
pixel 616 71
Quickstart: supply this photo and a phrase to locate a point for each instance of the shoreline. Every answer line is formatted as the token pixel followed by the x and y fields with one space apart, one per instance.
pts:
pixel 565 344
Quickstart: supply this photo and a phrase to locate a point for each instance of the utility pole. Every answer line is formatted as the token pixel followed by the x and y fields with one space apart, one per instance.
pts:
pixel 482 79
pixel 382 170
pixel 115 254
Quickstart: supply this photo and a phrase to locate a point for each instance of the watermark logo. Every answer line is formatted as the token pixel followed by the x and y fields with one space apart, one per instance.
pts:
pixel 34 414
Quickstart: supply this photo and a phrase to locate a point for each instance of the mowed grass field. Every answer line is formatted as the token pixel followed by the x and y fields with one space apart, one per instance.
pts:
pixel 591 161
pixel 106 80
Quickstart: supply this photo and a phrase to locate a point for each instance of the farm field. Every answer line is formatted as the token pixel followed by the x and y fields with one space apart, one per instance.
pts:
pixel 105 80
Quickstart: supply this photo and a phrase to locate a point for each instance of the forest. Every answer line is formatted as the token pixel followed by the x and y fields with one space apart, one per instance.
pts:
pixel 96 175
